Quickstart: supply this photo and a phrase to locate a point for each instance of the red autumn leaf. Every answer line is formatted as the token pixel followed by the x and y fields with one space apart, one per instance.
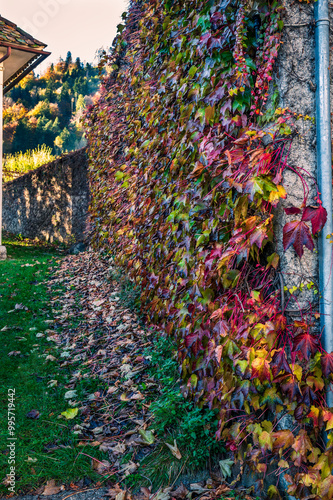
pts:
pixel 328 417
pixel 292 210
pixel 260 369
pixel 290 387
pixel 302 444
pixel 221 328
pixel 298 412
pixel 279 362
pixel 326 487
pixel 327 364
pixel 314 414
pixel 297 233
pixel 317 216
pixel 191 338
pixel 258 236
pixel 306 344
pixel 308 396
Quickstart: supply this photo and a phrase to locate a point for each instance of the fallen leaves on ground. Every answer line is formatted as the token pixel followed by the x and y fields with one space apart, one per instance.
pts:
pixel 108 344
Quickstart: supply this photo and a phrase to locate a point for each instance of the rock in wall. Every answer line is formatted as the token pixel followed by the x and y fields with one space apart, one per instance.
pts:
pixel 50 202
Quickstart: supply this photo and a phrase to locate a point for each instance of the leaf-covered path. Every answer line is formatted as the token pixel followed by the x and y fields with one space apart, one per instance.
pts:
pixel 105 418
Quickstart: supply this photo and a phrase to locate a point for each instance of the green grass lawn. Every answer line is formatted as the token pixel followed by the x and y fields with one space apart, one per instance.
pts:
pixel 46 448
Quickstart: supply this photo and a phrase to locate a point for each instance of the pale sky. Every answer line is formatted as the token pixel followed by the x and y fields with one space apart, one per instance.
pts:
pixel 81 26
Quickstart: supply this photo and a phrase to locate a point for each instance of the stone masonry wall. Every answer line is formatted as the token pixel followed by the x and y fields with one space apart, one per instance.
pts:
pixel 51 202
pixel 295 82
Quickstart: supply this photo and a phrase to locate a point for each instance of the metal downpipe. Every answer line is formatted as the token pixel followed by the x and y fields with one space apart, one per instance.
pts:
pixel 324 173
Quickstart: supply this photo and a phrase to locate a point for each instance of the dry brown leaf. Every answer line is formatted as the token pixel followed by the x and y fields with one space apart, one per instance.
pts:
pixel 129 468
pixel 7 481
pixel 197 488
pixel 146 492
pixel 121 495
pixel 112 389
pixel 137 396
pixel 113 492
pixel 163 494
pixel 180 492
pixel 95 443
pixel 50 358
pixel 51 488
pixel 117 449
pixel 98 302
pixel 174 450
pixel 100 466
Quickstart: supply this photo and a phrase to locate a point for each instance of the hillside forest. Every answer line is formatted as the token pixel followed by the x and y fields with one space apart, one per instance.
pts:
pixel 46 109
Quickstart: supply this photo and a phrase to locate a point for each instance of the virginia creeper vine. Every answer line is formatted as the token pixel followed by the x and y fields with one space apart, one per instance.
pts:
pixel 184 190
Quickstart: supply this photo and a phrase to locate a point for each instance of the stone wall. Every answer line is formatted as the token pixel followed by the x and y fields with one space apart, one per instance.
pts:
pixel 295 82
pixel 51 202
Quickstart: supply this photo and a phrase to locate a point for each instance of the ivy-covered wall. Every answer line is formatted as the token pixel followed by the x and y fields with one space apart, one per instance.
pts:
pixel 203 177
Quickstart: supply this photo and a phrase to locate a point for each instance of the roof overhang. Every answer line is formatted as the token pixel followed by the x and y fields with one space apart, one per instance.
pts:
pixel 22 61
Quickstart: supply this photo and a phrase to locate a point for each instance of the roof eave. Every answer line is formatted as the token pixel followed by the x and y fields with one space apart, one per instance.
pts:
pixel 25 70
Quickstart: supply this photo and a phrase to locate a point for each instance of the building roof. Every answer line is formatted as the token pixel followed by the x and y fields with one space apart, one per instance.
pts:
pixel 11 33
pixel 26 52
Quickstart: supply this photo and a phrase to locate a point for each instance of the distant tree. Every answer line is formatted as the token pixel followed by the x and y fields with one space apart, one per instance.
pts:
pixel 58 142
pixel 81 86
pixel 78 63
pixel 62 141
pixel 56 126
pixel 69 57
pixel 80 104
pixel 50 90
pixel 68 61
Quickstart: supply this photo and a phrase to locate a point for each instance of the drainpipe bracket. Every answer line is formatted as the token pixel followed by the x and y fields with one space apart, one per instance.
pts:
pixel 322 21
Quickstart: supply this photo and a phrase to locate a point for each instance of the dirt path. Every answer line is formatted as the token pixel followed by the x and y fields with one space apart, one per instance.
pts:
pixel 107 344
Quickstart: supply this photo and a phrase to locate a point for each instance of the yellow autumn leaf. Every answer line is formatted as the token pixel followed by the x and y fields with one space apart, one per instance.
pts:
pixel 70 413
pixel 265 441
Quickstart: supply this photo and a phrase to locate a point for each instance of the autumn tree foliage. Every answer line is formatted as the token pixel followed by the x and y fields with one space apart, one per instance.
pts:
pixel 185 181
pixel 41 110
